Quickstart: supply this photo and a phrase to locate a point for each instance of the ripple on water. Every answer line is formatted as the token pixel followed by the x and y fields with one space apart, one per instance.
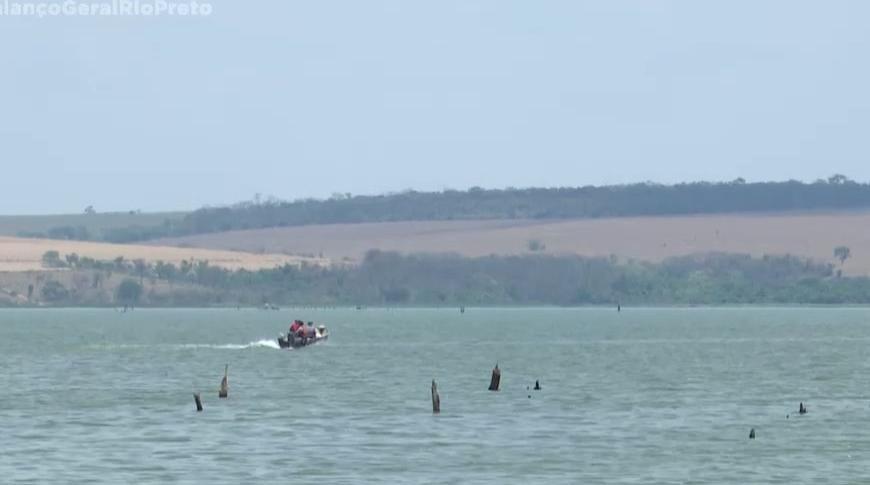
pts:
pixel 659 395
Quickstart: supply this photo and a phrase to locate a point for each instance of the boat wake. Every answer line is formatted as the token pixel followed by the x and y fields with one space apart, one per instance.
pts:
pixel 262 343
pixel 268 343
pixel 256 344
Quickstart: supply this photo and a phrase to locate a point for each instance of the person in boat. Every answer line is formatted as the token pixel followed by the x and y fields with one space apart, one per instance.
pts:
pixel 310 332
pixel 296 330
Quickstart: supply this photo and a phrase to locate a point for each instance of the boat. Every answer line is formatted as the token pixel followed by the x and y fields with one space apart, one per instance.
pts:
pixel 308 335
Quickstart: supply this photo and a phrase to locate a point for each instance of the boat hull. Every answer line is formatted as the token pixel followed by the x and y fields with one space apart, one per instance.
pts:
pixel 290 342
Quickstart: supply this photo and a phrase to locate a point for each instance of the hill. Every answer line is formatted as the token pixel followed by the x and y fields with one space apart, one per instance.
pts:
pixel 809 235
pixel 644 199
pixel 82 226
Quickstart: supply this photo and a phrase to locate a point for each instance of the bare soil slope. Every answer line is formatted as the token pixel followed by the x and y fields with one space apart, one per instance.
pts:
pixel 20 254
pixel 812 235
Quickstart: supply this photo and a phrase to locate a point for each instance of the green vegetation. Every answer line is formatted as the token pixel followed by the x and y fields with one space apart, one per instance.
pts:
pixel 86 226
pixel 535 245
pixel 54 292
pixel 386 278
pixel 842 253
pixel 838 192
pixel 644 199
pixel 129 292
pixel 51 259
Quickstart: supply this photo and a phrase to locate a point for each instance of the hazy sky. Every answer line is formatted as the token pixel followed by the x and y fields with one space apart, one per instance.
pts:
pixel 297 99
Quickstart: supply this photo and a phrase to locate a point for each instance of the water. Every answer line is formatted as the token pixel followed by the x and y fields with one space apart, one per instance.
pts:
pixel 643 396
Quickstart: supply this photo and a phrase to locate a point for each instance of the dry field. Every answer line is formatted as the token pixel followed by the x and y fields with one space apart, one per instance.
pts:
pixel 19 254
pixel 812 235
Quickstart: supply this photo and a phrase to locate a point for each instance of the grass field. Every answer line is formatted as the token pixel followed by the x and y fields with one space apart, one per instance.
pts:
pixel 94 223
pixel 812 235
pixel 20 254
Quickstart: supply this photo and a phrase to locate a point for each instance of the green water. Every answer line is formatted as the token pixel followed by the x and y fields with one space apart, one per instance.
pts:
pixel 642 396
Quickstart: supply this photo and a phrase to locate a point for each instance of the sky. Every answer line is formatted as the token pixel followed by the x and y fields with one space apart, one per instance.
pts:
pixel 297 99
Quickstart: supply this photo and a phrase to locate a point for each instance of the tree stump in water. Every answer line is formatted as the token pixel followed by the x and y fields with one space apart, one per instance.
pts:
pixel 537 385
pixel 496 379
pixel 436 399
pixel 198 402
pixel 752 434
pixel 224 390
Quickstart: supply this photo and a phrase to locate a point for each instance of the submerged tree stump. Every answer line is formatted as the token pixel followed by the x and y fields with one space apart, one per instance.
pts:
pixel 198 402
pixel 225 389
pixel 496 379
pixel 436 399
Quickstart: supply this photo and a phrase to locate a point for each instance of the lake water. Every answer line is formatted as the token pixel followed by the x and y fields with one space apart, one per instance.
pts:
pixel 642 396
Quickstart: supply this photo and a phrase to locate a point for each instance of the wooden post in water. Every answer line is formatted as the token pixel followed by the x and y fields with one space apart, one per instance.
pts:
pixel 224 390
pixel 198 402
pixel 436 399
pixel 496 379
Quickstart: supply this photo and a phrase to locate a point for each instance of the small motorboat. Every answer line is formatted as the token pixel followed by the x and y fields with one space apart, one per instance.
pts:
pixel 303 337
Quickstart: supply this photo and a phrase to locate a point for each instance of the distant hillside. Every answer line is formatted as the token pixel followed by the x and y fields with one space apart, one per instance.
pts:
pixel 644 199
pixel 82 226
pixel 811 235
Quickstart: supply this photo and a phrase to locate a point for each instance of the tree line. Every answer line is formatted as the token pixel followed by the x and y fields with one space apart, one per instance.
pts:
pixel 641 199
pixel 393 279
